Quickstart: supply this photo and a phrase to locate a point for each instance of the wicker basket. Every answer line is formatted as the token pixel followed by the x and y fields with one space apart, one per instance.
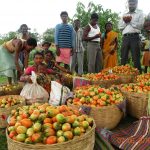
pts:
pixel 105 117
pixel 136 103
pixel 126 78
pixel 106 83
pixel 85 142
pixel 13 92
pixel 32 101
pixel 67 81
pixel 5 112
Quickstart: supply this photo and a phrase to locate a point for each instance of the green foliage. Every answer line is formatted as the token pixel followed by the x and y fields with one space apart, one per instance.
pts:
pixel 48 35
pixel 83 14
pixel 35 35
pixel 6 37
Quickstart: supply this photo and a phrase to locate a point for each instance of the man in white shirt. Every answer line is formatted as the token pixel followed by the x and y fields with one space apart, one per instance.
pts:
pixel 92 35
pixel 131 24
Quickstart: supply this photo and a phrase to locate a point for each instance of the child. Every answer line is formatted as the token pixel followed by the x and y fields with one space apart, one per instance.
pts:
pixel 45 46
pixel 146 56
pixel 52 64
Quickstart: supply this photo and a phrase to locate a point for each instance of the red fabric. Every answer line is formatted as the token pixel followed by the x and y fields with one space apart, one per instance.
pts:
pixel 32 68
pixel 65 55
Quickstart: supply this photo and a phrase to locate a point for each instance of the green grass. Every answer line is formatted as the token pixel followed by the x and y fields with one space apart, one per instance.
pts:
pixel 3 142
pixel 3 79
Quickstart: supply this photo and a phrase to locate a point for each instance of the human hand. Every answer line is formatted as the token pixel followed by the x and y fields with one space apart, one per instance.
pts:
pixel 127 19
pixel 29 80
pixel 112 52
pixel 98 35
pixel 58 51
pixel 71 52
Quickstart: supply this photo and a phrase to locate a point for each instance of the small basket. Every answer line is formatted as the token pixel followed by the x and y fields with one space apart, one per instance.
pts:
pixel 106 83
pixel 67 81
pixel 124 79
pixel 5 112
pixel 84 142
pixel 105 117
pixel 32 101
pixel 136 103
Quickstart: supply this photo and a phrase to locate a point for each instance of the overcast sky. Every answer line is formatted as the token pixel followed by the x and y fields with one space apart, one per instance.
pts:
pixel 43 14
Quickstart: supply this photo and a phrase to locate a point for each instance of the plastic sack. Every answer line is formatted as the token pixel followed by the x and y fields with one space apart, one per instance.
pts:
pixel 58 93
pixel 33 92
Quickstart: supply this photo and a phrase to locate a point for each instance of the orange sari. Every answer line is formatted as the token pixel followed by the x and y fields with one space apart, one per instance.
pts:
pixel 110 60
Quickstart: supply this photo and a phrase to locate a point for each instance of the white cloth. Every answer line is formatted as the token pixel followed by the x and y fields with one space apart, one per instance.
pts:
pixel 135 25
pixel 93 32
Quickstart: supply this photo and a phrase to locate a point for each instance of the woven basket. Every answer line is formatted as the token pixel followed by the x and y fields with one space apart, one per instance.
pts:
pixel 32 101
pixel 106 83
pixel 67 81
pixel 5 112
pixel 13 92
pixel 105 117
pixel 85 142
pixel 136 103
pixel 126 78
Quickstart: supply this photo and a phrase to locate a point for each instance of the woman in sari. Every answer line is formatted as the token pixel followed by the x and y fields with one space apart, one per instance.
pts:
pixel 109 46
pixel 9 56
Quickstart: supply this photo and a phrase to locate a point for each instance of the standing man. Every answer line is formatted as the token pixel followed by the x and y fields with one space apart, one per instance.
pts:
pixel 92 35
pixel 131 24
pixel 64 39
pixel 78 54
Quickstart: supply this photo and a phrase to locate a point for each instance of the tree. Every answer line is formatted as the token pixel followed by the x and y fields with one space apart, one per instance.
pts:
pixel 48 35
pixel 6 37
pixel 83 14
pixel 35 35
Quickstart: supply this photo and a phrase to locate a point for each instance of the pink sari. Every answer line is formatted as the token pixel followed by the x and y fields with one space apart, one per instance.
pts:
pixel 65 56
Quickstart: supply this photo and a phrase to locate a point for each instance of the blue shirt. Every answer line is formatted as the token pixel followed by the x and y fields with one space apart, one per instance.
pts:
pixel 64 36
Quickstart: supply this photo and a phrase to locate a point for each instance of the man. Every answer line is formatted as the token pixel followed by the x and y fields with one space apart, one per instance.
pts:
pixel 131 24
pixel 92 35
pixel 64 37
pixel 78 54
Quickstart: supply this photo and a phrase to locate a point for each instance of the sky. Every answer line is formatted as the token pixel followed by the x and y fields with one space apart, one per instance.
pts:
pixel 43 14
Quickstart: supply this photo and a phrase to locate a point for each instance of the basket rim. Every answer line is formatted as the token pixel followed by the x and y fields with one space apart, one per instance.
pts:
pixel 100 108
pixel 22 101
pixel 50 145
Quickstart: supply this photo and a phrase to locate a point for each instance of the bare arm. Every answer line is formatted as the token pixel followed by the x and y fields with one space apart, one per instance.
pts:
pixel 85 34
pixel 18 46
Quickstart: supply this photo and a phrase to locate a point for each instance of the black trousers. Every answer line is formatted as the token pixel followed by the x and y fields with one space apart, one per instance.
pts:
pixel 131 43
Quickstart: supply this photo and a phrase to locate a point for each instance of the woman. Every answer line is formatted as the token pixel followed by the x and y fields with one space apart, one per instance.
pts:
pixel 9 56
pixel 146 56
pixel 109 46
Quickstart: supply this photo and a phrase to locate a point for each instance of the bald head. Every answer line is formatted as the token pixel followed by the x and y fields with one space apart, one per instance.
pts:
pixel 132 4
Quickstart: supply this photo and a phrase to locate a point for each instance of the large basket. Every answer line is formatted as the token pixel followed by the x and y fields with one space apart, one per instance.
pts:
pixel 106 83
pixel 85 142
pixel 5 112
pixel 136 103
pixel 127 78
pixel 15 91
pixel 105 117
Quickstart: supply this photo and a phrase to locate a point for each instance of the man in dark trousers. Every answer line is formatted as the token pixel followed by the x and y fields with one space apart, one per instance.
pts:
pixel 131 24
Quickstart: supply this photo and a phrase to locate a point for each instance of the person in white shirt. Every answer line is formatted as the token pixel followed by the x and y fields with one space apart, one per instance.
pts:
pixel 131 24
pixel 92 35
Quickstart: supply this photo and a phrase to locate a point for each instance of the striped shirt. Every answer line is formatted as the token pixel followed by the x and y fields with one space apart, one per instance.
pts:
pixel 64 36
